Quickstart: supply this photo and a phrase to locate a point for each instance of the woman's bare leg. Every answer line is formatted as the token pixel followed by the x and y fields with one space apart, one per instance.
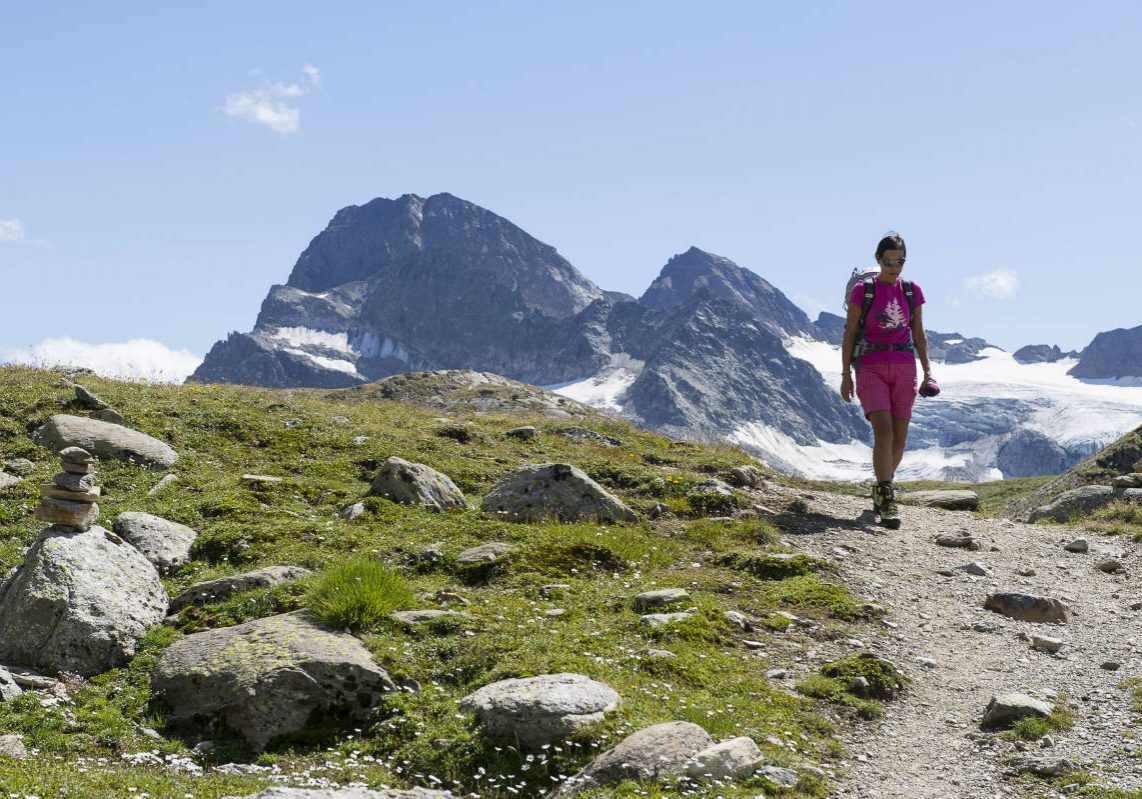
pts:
pixel 899 438
pixel 884 458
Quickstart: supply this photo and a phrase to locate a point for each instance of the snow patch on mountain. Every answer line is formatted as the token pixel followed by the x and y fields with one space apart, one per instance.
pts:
pixel 299 337
pixel 603 390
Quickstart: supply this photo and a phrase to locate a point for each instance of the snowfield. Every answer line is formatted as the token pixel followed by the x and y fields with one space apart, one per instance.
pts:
pixel 958 435
pixel 1080 416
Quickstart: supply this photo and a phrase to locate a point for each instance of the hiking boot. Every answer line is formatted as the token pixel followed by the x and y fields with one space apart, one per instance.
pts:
pixel 884 504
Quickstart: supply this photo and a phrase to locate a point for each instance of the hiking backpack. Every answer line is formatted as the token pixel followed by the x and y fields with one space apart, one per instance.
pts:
pixel 867 276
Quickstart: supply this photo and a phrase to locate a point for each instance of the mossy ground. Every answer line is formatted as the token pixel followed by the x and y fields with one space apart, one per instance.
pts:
pixel 94 742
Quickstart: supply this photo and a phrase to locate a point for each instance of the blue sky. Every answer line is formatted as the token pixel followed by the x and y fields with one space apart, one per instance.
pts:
pixel 164 164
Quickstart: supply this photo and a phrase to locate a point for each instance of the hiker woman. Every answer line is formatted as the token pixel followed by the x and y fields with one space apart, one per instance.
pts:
pixel 884 333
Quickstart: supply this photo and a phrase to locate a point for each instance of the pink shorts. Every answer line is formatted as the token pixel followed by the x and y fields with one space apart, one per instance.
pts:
pixel 887 386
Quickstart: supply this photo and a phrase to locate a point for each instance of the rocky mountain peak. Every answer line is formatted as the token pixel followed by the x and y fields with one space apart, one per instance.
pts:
pixel 439 239
pixel 694 270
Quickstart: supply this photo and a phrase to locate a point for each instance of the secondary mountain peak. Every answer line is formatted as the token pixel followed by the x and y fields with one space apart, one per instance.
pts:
pixel 694 270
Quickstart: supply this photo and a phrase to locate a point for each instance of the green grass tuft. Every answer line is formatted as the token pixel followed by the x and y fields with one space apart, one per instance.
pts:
pixel 358 594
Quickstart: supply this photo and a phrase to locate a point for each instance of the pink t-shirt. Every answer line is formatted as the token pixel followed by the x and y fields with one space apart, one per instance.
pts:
pixel 889 321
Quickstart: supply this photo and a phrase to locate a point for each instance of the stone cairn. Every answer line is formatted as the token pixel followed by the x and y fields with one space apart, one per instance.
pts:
pixel 69 499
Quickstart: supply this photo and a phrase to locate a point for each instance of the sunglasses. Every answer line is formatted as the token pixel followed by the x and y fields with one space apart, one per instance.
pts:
pixel 893 261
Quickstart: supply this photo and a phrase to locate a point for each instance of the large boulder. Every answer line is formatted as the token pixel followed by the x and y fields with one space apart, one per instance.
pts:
pixel 224 587
pixel 948 500
pixel 417 484
pixel 164 543
pixel 541 710
pixel 104 439
pixel 652 754
pixel 554 491
pixel 346 793
pixel 267 678
pixel 1086 499
pixel 79 603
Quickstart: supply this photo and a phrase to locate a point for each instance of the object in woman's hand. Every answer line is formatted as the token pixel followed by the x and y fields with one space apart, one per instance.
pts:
pixel 929 388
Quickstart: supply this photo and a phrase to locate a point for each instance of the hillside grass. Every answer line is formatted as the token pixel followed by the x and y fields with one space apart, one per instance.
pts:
pixel 106 736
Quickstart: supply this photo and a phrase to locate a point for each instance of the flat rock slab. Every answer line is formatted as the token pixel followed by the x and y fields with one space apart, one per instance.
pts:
pixel 711 486
pixel 781 777
pixel 1042 767
pixel 416 484
pixel 735 759
pixel 1027 607
pixel 485 553
pixel 164 543
pixel 659 619
pixel 77 515
pixel 554 491
pixel 960 542
pixel 266 678
pixel 1006 709
pixel 948 500
pixel 424 616
pixel 224 587
pixel 79 603
pixel 653 754
pixel 104 439
pixel 661 598
pixel 7 480
pixel 585 434
pixel 541 710
pixel 346 793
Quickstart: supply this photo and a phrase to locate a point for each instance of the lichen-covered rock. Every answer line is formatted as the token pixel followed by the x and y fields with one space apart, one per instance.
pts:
pixel 13 746
pixel 268 677
pixel 735 759
pixel 9 690
pixel 554 491
pixel 1086 499
pixel 417 484
pixel 79 603
pixel 224 587
pixel 747 476
pixel 104 439
pixel 543 709
pixel 164 543
pixel 652 754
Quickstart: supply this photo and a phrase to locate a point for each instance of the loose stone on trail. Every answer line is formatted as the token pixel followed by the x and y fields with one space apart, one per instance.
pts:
pixel 1026 607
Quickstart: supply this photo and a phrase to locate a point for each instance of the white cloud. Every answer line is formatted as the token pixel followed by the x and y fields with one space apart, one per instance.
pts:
pixel 136 359
pixel 11 230
pixel 999 285
pixel 268 104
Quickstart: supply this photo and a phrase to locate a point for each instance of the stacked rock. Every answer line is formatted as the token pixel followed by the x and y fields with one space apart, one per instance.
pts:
pixel 69 499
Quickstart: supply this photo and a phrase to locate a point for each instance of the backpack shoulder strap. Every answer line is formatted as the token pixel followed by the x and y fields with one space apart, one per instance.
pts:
pixel 910 296
pixel 869 295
